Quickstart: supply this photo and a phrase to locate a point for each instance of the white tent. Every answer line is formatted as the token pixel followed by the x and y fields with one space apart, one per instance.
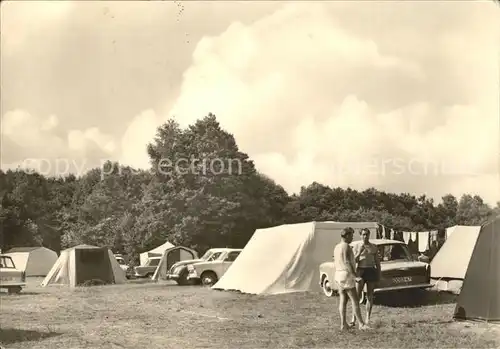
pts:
pixel 449 265
pixel 286 258
pixel 82 263
pixel 35 261
pixel 155 252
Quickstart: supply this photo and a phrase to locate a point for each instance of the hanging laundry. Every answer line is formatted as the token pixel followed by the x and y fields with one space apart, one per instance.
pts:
pixel 406 237
pixel 412 243
pixel 423 241
pixel 433 236
pixel 413 236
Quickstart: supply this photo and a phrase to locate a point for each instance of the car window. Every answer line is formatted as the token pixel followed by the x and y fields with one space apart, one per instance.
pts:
pixel 231 256
pixel 6 262
pixel 215 256
pixel 154 262
pixel 207 255
pixel 394 252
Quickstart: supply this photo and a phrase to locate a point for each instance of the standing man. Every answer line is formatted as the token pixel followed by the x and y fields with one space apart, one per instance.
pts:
pixel 345 277
pixel 368 270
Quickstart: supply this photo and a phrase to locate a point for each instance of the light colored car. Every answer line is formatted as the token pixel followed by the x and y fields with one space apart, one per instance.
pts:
pixel 179 271
pixel 11 278
pixel 147 270
pixel 209 271
pixel 400 271
pixel 124 266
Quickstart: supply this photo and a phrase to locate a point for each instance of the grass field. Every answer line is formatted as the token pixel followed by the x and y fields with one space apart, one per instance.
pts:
pixel 148 315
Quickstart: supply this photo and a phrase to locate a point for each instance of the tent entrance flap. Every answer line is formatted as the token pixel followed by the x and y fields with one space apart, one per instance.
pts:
pixel 173 257
pixel 93 264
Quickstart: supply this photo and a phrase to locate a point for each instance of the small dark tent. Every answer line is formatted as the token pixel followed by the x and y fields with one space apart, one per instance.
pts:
pixel 479 298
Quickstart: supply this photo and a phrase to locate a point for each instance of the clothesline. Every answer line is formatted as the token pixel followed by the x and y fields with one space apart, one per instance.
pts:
pixel 421 242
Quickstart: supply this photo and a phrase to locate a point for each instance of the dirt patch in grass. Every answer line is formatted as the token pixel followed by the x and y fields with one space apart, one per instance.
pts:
pixel 170 316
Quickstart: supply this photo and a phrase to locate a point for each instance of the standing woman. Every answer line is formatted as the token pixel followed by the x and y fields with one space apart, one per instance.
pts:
pixel 368 269
pixel 345 277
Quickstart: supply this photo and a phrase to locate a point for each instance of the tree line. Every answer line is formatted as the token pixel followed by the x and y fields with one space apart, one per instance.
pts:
pixel 130 210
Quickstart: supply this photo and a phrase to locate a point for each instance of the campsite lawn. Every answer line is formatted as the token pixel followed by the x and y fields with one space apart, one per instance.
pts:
pixel 147 315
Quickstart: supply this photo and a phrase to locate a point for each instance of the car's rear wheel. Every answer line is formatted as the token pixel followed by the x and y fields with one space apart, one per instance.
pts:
pixel 327 288
pixel 208 278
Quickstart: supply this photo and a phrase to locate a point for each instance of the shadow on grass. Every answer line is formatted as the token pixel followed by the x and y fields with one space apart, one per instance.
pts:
pixel 15 335
pixel 22 293
pixel 415 299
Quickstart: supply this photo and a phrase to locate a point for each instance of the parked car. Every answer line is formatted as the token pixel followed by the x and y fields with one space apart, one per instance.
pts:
pixel 11 278
pixel 147 270
pixel 124 266
pixel 179 271
pixel 400 271
pixel 209 271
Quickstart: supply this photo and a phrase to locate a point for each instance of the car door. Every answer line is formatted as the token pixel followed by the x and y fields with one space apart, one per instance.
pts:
pixel 9 275
pixel 228 260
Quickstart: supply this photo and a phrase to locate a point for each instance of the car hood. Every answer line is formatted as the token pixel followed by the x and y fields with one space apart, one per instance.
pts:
pixel 186 262
pixel 206 262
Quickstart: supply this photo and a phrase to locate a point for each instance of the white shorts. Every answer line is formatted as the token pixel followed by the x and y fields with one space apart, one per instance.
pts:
pixel 345 280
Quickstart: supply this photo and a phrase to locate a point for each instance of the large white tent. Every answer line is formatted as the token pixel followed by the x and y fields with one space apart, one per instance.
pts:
pixel 155 252
pixel 286 258
pixel 449 265
pixel 35 261
pixel 82 263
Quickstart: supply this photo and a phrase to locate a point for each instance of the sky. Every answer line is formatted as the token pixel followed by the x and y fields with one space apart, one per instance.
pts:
pixel 400 96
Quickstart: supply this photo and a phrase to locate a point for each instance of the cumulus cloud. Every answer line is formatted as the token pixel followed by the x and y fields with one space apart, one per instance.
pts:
pixel 402 97
pixel 139 133
pixel 39 143
pixel 302 97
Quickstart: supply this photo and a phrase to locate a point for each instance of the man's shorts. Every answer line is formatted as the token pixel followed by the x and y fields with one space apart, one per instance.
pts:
pixel 345 280
pixel 368 274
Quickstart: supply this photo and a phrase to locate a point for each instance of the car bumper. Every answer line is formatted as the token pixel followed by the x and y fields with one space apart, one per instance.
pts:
pixel 12 284
pixel 193 277
pixel 139 275
pixel 402 287
pixel 172 277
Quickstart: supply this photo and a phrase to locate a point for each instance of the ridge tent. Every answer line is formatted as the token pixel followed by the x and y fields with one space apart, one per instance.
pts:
pixel 81 263
pixel 450 263
pixel 286 258
pixel 170 257
pixel 35 261
pixel 480 296
pixel 155 252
